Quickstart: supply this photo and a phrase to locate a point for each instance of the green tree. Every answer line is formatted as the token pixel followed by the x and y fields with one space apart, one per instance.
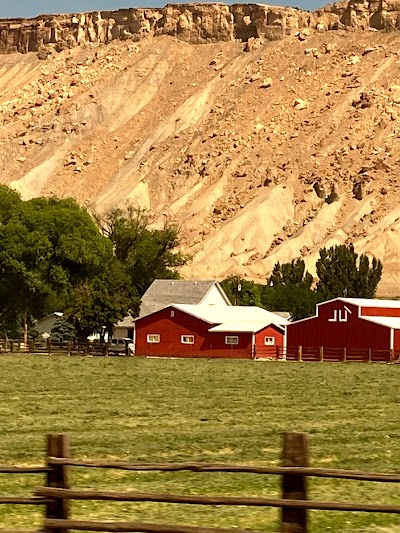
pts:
pixel 47 248
pixel 291 274
pixel 102 301
pixel 292 289
pixel 145 252
pixel 342 272
pixel 242 291
pixel 63 331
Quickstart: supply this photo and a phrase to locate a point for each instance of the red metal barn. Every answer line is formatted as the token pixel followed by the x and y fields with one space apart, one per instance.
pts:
pixel 348 328
pixel 211 331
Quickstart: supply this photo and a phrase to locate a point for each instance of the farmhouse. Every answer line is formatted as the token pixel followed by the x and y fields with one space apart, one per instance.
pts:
pixel 184 330
pixel 162 292
pixel 350 326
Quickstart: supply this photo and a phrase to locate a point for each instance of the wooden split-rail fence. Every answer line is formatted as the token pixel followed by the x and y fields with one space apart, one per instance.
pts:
pixel 49 347
pixel 56 494
pixel 297 353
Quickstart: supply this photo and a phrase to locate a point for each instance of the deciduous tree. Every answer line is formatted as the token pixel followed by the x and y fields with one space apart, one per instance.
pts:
pixel 342 272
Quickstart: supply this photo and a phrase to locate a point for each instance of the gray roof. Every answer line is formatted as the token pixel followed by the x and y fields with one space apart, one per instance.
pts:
pixel 283 314
pixel 164 292
pixel 126 322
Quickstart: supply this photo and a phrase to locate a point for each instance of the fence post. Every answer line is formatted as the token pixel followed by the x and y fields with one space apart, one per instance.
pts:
pixel 299 354
pixel 369 355
pixel 49 346
pixel 57 477
pixel 68 347
pixel 344 354
pixel 391 356
pixel 295 453
pixel 321 353
pixel 11 346
pixel 31 345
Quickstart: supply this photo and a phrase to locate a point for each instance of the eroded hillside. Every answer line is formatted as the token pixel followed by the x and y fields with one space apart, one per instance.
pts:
pixel 260 155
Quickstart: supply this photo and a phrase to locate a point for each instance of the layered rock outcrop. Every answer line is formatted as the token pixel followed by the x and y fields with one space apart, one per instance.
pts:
pixel 196 23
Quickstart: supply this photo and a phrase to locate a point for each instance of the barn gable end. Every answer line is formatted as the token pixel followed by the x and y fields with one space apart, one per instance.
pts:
pixel 339 324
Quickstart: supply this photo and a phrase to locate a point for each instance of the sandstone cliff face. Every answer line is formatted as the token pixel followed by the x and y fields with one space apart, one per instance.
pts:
pixel 195 23
pixel 259 157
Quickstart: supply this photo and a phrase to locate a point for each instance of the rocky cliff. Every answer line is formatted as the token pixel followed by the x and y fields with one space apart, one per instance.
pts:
pixel 195 23
pixel 259 157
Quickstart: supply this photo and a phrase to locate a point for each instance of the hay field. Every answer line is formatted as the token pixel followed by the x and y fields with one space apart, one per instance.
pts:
pixel 214 411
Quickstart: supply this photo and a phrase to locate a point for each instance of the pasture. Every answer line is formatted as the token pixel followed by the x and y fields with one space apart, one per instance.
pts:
pixel 201 410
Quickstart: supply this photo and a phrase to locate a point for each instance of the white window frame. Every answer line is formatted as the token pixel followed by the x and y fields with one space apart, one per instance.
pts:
pixel 153 338
pixel 232 340
pixel 183 337
pixel 269 341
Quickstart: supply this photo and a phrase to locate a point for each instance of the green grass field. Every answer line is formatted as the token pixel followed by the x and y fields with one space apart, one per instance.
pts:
pixel 214 411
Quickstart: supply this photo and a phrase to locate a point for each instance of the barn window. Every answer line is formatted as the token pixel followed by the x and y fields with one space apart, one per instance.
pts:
pixel 153 338
pixel 187 339
pixel 269 341
pixel 231 339
pixel 172 314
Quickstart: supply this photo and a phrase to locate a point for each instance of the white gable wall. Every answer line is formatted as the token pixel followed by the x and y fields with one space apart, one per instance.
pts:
pixel 214 297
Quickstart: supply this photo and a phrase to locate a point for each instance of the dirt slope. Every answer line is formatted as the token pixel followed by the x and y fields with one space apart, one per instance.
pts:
pixel 260 156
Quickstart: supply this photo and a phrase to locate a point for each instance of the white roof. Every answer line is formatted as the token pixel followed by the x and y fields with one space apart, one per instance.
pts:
pixel 242 326
pixel 367 302
pixel 388 321
pixel 222 314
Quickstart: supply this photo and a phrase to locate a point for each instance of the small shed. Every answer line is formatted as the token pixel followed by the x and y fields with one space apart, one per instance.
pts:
pixel 211 331
pixel 45 324
pixel 125 328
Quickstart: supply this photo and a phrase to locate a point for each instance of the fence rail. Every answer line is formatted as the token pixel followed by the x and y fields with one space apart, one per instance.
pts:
pixel 327 354
pixel 290 353
pixel 49 347
pixel 56 495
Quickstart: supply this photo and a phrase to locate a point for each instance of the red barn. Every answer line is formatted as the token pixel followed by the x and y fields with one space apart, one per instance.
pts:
pixel 182 330
pixel 352 328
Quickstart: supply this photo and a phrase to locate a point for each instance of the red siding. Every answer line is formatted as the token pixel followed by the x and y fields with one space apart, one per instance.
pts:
pixel 396 339
pixel 379 311
pixel 171 329
pixel 269 351
pixel 354 333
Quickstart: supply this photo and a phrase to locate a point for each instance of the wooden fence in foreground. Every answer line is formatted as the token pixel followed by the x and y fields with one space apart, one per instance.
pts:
pixel 56 494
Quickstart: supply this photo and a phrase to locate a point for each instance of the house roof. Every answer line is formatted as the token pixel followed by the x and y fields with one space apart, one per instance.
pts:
pixel 367 302
pixel 164 292
pixel 222 314
pixel 388 321
pixel 126 322
pixel 57 314
pixel 242 326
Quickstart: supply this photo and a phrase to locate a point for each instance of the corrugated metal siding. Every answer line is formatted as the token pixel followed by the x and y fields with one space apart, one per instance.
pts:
pixel 171 328
pixel 353 333
pixel 379 311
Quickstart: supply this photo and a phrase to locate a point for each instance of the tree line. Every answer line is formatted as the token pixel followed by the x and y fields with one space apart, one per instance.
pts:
pixel 56 256
pixel 341 272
